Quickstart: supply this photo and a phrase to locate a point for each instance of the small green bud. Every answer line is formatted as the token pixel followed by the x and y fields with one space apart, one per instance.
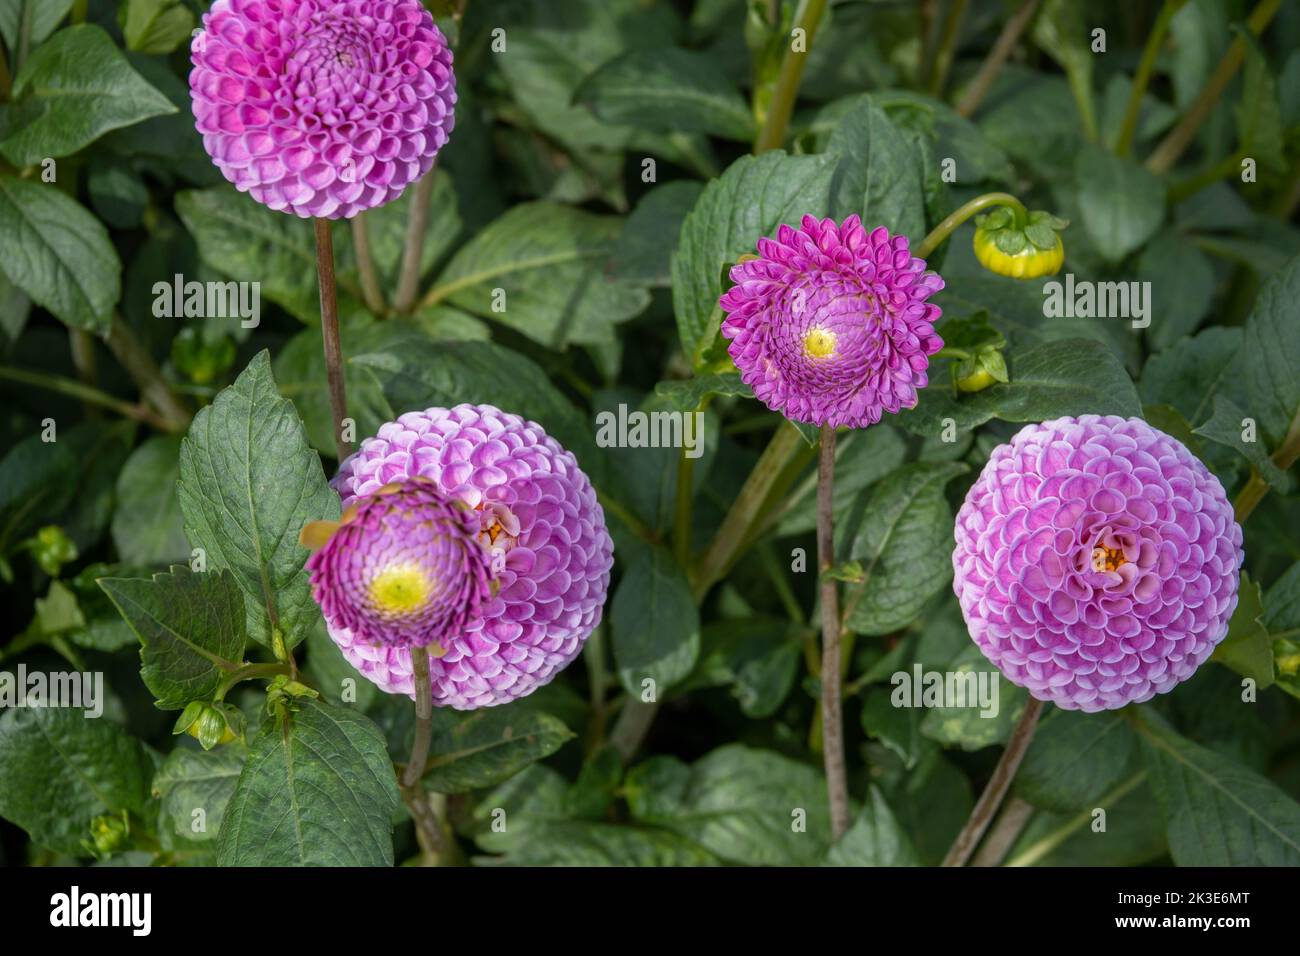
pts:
pixel 51 549
pixel 200 359
pixel 107 835
pixel 210 724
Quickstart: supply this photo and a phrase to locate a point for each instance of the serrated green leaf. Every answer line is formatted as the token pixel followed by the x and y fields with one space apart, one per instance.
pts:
pixel 147 525
pixel 1273 350
pixel 191 626
pixel 58 253
pixel 1122 204
pixel 59 769
pixel 191 780
pixel 1216 812
pixel 875 839
pixel 880 173
pixel 249 483
pixel 1075 759
pixel 317 791
pixel 903 547
pixel 540 270
pixel 668 89
pixel 86 88
pixel 655 623
pixel 644 250
pixel 486 747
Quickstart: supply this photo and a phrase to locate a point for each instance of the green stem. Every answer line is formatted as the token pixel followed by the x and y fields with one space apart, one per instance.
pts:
pixel 947 41
pixel 85 393
pixel 329 327
pixel 6 83
pixel 144 371
pixel 249 672
pixel 997 58
pixel 747 509
pixel 1253 492
pixel 1127 130
pixel 593 654
pixel 1167 153
pixel 772 135
pixel 1040 848
pixel 1186 188
pixel 682 512
pixel 776 572
pixel 624 514
pixel 370 288
pixel 1082 93
pixel 78 14
pixel 408 282
pixel 946 228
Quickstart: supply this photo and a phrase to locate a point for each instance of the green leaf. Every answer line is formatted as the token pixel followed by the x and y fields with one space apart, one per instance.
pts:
pixel 1064 377
pixel 1175 265
pixel 587 843
pixel 644 250
pixel 903 546
pixel 1272 350
pixel 1260 132
pixel 1189 375
pixel 1122 204
pixel 249 482
pixel 748 201
pixel 485 747
pixel 757 658
pixel 968 727
pixel 43 16
pixel 251 243
pixel 655 623
pixel 155 26
pixel 1075 759
pixel 59 769
pixel 86 88
pixel 737 802
pixel 317 791
pixel 1216 812
pixel 190 780
pixel 58 253
pixel 687 395
pixel 880 175
pixel 875 839
pixel 147 524
pixel 1227 426
pixel 37 478
pixel 539 269
pixel 191 627
pixel 1247 647
pixel 668 89
pixel 419 375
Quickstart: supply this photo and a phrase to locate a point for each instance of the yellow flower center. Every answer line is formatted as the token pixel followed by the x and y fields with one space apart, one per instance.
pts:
pixel 400 589
pixel 819 343
pixel 1107 559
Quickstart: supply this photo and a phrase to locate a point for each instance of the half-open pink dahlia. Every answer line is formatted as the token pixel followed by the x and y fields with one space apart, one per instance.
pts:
pixel 1097 561
pixel 322 108
pixel 830 325
pixel 538 520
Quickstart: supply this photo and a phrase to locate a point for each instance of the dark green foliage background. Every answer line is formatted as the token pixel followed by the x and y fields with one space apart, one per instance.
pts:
pixel 611 278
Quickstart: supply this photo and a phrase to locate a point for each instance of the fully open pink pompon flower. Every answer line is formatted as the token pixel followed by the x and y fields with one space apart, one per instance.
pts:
pixel 1097 561
pixel 322 108
pixel 404 568
pixel 830 325
pixel 540 524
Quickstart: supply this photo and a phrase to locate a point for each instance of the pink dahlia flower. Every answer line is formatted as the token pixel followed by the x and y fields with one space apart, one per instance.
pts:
pixel 544 532
pixel 322 108
pixel 404 568
pixel 1097 561
pixel 830 325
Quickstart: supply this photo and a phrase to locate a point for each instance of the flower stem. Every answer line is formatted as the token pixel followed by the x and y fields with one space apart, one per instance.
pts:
pixel 329 328
pixel 946 228
pixel 998 784
pixel 1165 155
pixel 947 40
pixel 1047 844
pixel 1127 130
pixel 832 716
pixel 144 371
pixel 1010 823
pixel 428 828
pixel 370 289
pixel 249 672
pixel 997 58
pixel 408 282
pixel 91 396
pixel 781 108
pixel 682 513
pixel 1186 188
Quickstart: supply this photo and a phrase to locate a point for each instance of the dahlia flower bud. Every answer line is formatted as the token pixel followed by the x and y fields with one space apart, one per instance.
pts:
pixel 322 108
pixel 535 514
pixel 403 568
pixel 829 324
pixel 1022 246
pixel 1097 561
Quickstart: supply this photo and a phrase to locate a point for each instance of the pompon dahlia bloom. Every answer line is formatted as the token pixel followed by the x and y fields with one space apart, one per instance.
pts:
pixel 1097 561
pixel 830 325
pixel 537 516
pixel 404 568
pixel 322 108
